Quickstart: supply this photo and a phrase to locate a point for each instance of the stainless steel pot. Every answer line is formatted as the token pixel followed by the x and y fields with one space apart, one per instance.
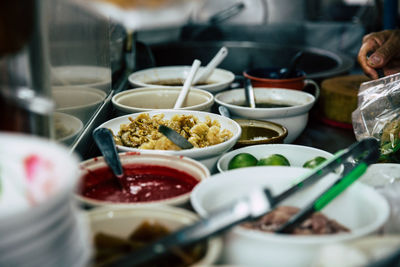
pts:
pixel 317 63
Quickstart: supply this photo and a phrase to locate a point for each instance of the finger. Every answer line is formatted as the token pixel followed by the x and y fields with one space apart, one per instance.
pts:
pixel 369 45
pixel 386 52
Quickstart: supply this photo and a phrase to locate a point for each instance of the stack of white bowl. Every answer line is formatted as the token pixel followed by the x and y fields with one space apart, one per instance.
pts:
pixel 39 222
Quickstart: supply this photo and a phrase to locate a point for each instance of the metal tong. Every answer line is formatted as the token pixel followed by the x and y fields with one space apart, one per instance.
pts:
pixel 256 204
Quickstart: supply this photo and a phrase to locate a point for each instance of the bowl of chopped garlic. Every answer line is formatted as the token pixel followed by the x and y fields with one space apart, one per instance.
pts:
pixel 210 134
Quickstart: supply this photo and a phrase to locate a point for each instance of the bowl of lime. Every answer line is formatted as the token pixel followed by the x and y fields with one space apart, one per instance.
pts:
pixel 273 155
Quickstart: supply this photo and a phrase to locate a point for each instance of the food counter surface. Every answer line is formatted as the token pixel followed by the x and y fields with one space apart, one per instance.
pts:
pixel 326 137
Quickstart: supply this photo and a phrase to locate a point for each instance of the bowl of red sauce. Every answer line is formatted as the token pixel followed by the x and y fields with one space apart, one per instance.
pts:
pixel 148 179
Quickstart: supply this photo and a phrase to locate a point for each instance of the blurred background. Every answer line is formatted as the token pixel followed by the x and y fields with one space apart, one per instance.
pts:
pixel 64 59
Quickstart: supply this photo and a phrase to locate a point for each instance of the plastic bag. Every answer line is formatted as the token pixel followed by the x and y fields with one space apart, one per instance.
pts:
pixel 378 115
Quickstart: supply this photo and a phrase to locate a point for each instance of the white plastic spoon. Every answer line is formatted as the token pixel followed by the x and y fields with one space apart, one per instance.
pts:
pixel 206 72
pixel 188 83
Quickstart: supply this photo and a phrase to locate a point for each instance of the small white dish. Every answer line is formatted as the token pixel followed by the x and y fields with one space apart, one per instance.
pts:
pixel 151 98
pixel 219 80
pixel 81 102
pixel 75 75
pixel 67 127
pixel 294 117
pixel 297 155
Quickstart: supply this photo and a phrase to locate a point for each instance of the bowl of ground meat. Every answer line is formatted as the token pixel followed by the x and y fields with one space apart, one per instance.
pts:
pixel 359 211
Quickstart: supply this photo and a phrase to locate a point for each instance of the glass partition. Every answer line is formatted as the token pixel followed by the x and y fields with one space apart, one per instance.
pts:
pixel 80 71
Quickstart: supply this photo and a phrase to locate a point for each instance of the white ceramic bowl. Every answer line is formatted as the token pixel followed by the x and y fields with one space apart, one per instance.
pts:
pixel 219 80
pixel 361 252
pixel 88 76
pixel 359 208
pixel 34 172
pixel 151 98
pixel 382 174
pixel 81 102
pixel 296 154
pixel 206 155
pixel 37 177
pixel 385 178
pixel 122 222
pixel 67 127
pixel 183 164
pixel 294 118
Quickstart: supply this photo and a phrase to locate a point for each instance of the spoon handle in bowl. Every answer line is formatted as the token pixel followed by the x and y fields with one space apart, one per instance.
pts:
pixel 188 83
pixel 175 137
pixel 105 141
pixel 249 92
pixel 222 53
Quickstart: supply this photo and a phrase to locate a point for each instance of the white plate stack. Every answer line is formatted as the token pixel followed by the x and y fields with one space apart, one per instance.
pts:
pixel 39 221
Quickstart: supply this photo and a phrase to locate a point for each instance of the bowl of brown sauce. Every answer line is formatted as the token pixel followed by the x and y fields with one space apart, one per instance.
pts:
pixel 286 107
pixel 257 132
pixel 116 232
pixel 175 76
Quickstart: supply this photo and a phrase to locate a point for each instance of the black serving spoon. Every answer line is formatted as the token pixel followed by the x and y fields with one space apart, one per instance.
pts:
pixel 290 72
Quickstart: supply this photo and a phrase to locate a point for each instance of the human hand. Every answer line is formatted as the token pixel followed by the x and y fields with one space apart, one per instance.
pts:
pixel 385 46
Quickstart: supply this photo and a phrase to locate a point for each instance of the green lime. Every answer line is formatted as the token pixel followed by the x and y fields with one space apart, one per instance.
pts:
pixel 312 163
pixel 274 159
pixel 242 160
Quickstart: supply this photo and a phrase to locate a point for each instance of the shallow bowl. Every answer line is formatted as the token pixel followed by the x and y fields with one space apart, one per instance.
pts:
pixel 67 127
pixel 81 102
pixel 219 80
pixel 256 132
pixel 151 98
pixel 360 208
pixel 76 75
pixel 293 117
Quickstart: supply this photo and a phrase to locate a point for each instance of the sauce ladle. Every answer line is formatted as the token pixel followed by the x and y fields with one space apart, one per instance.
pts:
pixel 105 142
pixel 291 70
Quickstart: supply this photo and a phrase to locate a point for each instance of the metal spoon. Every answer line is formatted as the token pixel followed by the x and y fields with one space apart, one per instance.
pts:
pixel 105 141
pixel 249 92
pixel 175 137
